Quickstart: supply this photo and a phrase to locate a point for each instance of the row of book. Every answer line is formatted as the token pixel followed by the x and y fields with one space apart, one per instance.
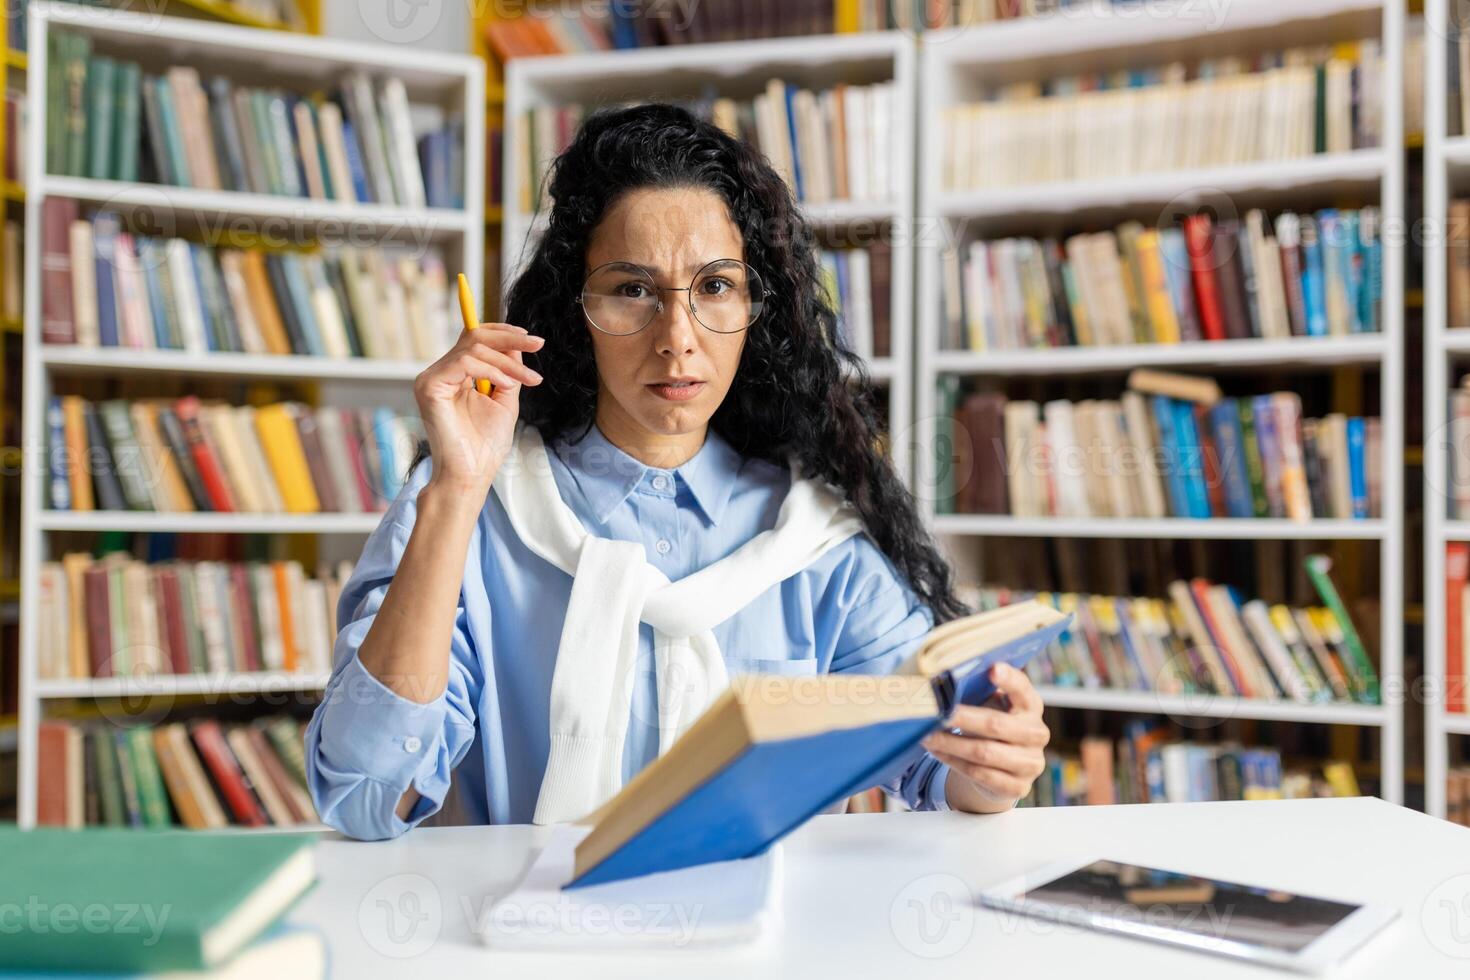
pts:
pixel 186 455
pixel 626 26
pixel 103 286
pixel 116 616
pixel 1156 457
pixel 1204 639
pixel 110 120
pixel 1457 626
pixel 1457 795
pixel 1220 112
pixel 860 289
pixel 1458 495
pixel 202 775
pixel 829 145
pixel 1316 275
pixel 1145 766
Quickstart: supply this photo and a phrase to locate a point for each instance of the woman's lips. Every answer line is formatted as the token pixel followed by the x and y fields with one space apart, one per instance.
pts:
pixel 677 393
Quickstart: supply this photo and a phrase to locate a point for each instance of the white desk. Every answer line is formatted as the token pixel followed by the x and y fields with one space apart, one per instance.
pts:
pixel 860 894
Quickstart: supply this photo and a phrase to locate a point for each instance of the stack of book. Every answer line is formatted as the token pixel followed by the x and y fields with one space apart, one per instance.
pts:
pixel 201 775
pixel 1317 275
pixel 832 145
pixel 1219 112
pixel 185 455
pixel 116 616
pixel 104 286
pixel 1156 456
pixel 1146 766
pixel 555 29
pixel 109 120
pixel 1204 639
pixel 860 290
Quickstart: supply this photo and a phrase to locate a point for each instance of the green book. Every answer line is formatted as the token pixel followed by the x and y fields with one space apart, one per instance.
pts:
pixel 944 488
pixel 198 658
pixel 126 454
pixel 270 160
pixel 1362 675
pixel 101 85
pixel 127 99
pixel 74 93
pixel 1255 471
pixel 56 50
pixel 286 738
pixel 109 782
pixel 126 776
pixel 173 900
pixel 168 118
pixel 152 797
pixel 1319 117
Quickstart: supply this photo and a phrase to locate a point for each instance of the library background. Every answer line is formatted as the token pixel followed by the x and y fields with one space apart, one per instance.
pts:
pixel 1067 239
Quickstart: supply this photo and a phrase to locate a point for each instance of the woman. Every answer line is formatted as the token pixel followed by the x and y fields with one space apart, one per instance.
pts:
pixel 693 491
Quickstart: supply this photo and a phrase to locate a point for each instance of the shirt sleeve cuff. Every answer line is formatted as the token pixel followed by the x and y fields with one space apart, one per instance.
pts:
pixel 937 791
pixel 370 729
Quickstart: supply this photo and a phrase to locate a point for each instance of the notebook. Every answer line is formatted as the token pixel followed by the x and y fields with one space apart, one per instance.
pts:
pixel 721 903
pixel 774 750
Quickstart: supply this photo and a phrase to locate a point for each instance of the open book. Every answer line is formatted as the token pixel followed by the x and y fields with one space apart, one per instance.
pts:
pixel 774 750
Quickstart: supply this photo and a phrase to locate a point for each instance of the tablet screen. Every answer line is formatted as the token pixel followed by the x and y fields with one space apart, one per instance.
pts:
pixel 1218 910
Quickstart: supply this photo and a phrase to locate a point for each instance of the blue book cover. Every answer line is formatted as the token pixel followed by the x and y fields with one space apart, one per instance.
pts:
pixel 1314 286
pixel 1141 677
pixel 796 163
pixel 1352 271
pixel 1175 252
pixel 173 140
pixel 212 337
pixel 1230 444
pixel 354 164
pixel 105 228
pixel 1191 460
pixel 1372 248
pixel 1169 451
pixel 1265 414
pixel 773 784
pixel 149 257
pixel 59 482
pixel 1357 435
pixel 301 299
pixel 390 465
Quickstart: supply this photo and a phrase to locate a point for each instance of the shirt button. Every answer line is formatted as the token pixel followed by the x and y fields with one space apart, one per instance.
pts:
pixel 412 744
pixel 660 482
pixel 663 546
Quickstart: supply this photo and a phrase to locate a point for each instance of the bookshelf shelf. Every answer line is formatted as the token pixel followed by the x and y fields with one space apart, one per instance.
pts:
pixel 741 70
pixel 1455 724
pixel 1169 528
pixel 1225 355
pixel 1211 706
pixel 264 682
pixel 1455 340
pixel 1455 152
pixel 435 82
pixel 959 67
pixel 195 204
pixel 61 359
pixel 1454 530
pixel 207 523
pixel 1337 173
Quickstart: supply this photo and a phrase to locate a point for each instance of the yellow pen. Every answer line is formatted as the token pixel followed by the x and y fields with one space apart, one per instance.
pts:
pixel 467 310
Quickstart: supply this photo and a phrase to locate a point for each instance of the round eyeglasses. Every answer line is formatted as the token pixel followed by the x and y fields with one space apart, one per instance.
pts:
pixel 621 298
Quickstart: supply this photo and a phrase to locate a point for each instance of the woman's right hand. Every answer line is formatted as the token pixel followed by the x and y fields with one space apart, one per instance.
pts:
pixel 469 433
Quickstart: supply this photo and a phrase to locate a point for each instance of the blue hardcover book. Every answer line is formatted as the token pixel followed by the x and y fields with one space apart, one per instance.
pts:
pixel 212 333
pixel 1352 270
pixel 1270 444
pixel 1230 444
pixel 172 138
pixel 774 750
pixel 1372 248
pixel 1191 461
pixel 796 161
pixel 1169 451
pixel 301 299
pixel 1175 252
pixel 58 480
pixel 1314 285
pixel 1141 675
pixel 1357 436
pixel 354 164
pixel 390 465
pixel 149 257
pixel 105 229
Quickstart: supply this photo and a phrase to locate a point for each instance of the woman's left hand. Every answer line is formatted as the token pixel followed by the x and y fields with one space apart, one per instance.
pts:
pixel 999 756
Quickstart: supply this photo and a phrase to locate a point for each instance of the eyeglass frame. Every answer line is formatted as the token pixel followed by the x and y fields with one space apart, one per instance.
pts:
pixel 659 290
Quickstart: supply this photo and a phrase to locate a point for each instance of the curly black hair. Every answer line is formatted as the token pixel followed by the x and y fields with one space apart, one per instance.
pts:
pixel 793 395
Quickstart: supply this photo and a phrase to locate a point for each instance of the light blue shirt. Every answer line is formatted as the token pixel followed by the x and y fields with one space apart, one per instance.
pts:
pixel 851 610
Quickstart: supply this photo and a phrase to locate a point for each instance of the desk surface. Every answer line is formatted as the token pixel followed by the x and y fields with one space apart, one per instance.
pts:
pixel 870 895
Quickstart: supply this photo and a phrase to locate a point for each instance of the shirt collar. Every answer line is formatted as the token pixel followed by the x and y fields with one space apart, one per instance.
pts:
pixel 606 474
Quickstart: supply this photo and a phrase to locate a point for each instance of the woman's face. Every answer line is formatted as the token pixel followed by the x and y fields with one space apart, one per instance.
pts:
pixel 673 234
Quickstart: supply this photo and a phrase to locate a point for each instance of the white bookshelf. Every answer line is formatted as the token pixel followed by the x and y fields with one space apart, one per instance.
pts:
pixel 1446 353
pixel 741 70
pixel 434 82
pixel 955 65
